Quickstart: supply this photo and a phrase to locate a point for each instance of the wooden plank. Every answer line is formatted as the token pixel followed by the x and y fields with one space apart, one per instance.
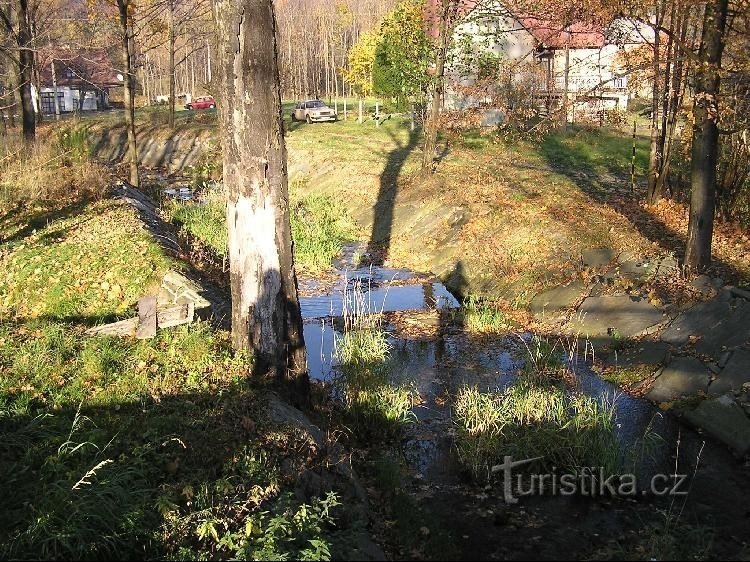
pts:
pixel 146 318
pixel 175 315
pixel 122 328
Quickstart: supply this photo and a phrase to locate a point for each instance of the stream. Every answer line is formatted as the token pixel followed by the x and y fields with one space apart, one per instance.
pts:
pixel 447 515
pixel 476 517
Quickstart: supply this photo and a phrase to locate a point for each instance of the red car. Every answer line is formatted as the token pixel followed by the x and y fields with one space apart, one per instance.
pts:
pixel 204 102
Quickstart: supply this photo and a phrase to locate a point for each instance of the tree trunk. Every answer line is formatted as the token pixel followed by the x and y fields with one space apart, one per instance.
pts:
pixel 129 91
pixel 25 72
pixel 675 97
pixel 436 92
pixel 566 86
pixel 655 155
pixel 171 65
pixel 266 316
pixel 54 88
pixel 705 139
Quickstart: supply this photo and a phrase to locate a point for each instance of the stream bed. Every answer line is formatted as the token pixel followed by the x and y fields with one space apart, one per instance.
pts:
pixel 476 517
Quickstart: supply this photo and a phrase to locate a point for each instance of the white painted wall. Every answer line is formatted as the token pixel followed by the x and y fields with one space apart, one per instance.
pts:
pixel 71 99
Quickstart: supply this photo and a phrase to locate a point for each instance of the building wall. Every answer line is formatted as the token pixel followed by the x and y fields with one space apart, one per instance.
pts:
pixel 592 72
pixel 71 97
pixel 485 30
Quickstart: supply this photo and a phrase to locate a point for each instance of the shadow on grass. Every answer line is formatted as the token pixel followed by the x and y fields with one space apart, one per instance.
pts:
pixel 37 220
pixel 169 476
pixel 382 224
pixel 582 165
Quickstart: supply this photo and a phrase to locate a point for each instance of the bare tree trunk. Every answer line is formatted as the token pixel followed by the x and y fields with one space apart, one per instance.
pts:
pixel 705 139
pixel 129 90
pixel 54 89
pixel 266 316
pixel 436 92
pixel 566 86
pixel 25 71
pixel 171 65
pixel 655 153
pixel 675 95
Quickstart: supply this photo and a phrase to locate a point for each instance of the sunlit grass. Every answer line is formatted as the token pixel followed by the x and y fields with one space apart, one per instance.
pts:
pixel 528 420
pixel 375 405
pixel 482 317
pixel 320 226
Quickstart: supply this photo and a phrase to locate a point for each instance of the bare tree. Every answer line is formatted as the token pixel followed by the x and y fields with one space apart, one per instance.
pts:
pixel 128 47
pixel 15 19
pixel 705 138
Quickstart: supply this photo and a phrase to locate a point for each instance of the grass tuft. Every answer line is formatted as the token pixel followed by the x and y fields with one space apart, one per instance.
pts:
pixel 320 227
pixel 528 420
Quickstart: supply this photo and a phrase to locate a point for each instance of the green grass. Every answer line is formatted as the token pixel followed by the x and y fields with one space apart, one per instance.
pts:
pixel 626 377
pixel 68 264
pixel 528 420
pixel 372 403
pixel 206 222
pixel 479 316
pixel 320 226
pixel 116 448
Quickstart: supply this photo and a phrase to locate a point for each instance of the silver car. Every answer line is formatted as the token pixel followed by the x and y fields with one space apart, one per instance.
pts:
pixel 313 111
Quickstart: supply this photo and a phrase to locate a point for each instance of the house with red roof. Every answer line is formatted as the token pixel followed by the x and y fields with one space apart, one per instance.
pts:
pixel 535 58
pixel 81 80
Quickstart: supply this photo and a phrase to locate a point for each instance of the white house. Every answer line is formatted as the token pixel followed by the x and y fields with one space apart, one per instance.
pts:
pixel 533 55
pixel 82 80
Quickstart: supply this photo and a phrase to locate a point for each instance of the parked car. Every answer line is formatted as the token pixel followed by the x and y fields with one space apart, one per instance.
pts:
pixel 203 102
pixel 313 111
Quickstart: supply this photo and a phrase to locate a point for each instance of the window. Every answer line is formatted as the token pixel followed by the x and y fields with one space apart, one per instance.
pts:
pixel 48 102
pixel 69 73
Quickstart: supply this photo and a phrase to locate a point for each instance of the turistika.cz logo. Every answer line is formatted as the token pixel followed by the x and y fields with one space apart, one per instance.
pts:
pixel 589 481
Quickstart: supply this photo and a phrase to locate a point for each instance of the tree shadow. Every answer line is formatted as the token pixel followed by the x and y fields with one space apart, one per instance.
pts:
pixel 379 244
pixel 577 163
pixel 133 477
pixel 37 220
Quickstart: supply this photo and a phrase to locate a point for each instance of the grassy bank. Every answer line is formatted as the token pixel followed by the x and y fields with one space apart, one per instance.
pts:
pixel 119 449
pixel 320 226
pixel 499 218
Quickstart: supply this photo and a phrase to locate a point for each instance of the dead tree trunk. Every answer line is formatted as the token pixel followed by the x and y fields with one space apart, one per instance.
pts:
pixel 266 316
pixel 705 139
pixel 129 90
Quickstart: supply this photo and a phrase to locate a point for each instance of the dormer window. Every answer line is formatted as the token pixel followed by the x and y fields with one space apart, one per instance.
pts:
pixel 70 73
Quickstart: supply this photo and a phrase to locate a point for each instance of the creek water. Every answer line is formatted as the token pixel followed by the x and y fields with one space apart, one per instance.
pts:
pixel 438 366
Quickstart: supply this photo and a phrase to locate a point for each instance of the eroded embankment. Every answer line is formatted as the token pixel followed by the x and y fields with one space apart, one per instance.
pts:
pixel 486 223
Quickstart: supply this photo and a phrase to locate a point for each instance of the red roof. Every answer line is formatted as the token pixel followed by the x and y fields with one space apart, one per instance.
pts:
pixel 578 35
pixel 549 34
pixel 92 68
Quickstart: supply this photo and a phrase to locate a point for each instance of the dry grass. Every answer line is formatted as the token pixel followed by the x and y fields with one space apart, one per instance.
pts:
pixel 50 171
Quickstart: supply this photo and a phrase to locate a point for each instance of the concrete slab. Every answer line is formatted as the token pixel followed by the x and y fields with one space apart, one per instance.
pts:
pixel 643 353
pixel 597 257
pixel 720 323
pixel 685 376
pixel 735 374
pixel 619 315
pixel 549 303
pixel 724 420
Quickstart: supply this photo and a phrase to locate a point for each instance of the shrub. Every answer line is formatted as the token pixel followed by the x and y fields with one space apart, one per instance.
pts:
pixel 51 172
